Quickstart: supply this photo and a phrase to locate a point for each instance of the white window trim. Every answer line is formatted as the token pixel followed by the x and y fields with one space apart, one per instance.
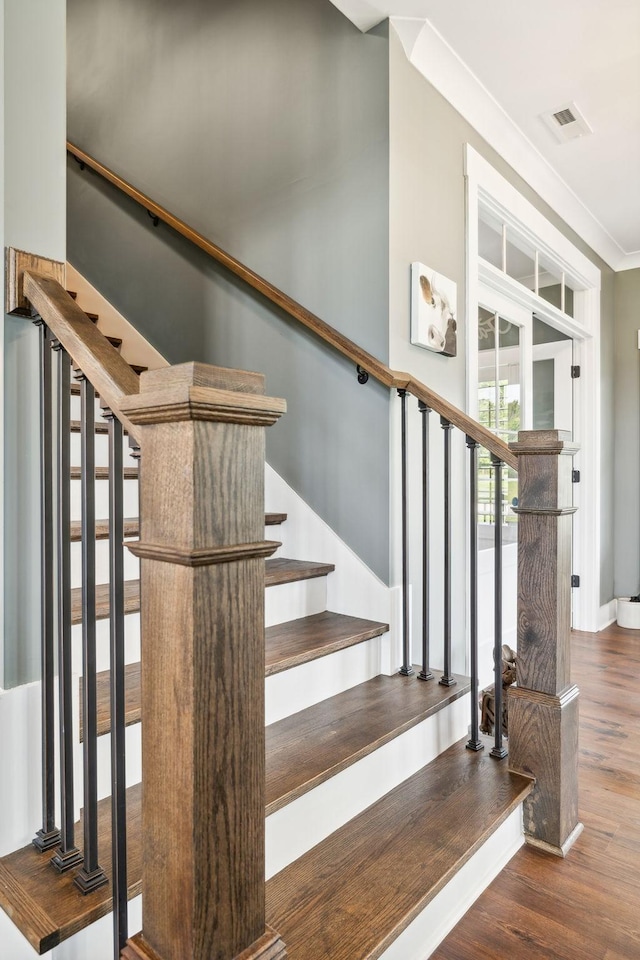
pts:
pixel 485 185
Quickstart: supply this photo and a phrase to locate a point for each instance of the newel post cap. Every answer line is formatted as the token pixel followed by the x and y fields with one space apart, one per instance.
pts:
pixel 544 443
pixel 198 391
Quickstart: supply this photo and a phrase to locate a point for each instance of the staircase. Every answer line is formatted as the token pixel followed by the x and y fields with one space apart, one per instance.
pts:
pixel 369 790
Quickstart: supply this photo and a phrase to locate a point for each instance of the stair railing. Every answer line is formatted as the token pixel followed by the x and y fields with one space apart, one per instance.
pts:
pixel 559 765
pixel 99 368
pixel 204 874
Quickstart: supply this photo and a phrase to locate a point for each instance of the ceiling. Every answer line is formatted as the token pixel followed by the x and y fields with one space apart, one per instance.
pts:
pixel 534 58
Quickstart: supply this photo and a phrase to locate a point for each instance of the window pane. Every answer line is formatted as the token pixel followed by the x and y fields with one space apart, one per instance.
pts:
pixel 499 410
pixel 550 286
pixel 490 238
pixel 521 264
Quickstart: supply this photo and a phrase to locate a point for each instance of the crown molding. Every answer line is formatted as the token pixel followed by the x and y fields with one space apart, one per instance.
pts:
pixel 435 59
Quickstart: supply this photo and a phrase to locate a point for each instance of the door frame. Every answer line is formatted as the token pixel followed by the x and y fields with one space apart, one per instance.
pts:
pixel 488 189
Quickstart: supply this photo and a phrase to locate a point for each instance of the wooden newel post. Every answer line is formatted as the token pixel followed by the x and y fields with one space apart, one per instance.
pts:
pixel 543 707
pixel 202 621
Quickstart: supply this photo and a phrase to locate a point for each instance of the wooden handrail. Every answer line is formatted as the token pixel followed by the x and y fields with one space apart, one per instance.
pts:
pixel 89 350
pixel 379 371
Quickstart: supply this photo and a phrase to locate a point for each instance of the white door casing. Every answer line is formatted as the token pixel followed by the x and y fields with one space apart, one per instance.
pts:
pixel 487 188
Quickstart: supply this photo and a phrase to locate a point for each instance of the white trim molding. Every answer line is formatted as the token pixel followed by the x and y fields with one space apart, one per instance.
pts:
pixel 435 59
pixel 485 186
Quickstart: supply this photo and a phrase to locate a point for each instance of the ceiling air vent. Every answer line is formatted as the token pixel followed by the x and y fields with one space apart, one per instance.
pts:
pixel 566 123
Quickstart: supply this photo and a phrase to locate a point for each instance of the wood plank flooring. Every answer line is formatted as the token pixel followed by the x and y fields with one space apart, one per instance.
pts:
pixel 586 907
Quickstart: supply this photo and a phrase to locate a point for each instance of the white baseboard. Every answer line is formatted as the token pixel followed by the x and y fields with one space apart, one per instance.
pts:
pixel 607 614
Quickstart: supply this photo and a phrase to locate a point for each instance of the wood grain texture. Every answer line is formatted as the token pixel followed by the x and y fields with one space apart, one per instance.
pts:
pixel 132 526
pixel 102 473
pixel 313 745
pixel 202 490
pixel 101 363
pixel 132 706
pixel 101 428
pixel 543 743
pixel 288 644
pixel 46 906
pixel 298 641
pixel 131 529
pixel 267 947
pixel 274 519
pixel 281 570
pixel 350 897
pixel 380 371
pixel 543 710
pixel 587 905
pixel 16 262
pixel 131 600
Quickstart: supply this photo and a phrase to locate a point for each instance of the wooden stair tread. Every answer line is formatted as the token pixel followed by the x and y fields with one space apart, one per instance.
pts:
pixel 280 570
pixel 298 641
pixel 100 427
pixel 131 600
pixel 132 700
pixel 102 473
pixel 131 529
pixel 322 633
pixel 350 897
pixel 277 571
pixel 309 747
pixel 273 519
pixel 46 906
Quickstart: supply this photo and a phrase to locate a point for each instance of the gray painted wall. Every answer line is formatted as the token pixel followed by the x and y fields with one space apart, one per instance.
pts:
pixel 427 201
pixel 627 433
pixel 264 126
pixel 33 218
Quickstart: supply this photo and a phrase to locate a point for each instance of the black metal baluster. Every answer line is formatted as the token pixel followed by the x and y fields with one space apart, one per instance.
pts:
pixel 49 835
pixel 68 855
pixel 447 679
pixel 406 669
pixel 116 614
pixel 92 875
pixel 474 742
pixel 498 750
pixel 425 673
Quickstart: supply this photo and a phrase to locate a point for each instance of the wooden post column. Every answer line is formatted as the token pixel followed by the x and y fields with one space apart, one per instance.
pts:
pixel 202 621
pixel 543 707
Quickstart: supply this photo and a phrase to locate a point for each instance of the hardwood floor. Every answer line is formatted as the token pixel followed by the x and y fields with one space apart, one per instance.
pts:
pixel 586 907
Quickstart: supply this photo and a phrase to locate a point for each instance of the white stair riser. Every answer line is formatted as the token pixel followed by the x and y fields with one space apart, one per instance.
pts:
pixel 131 640
pixel 102 499
pixel 134 759
pixel 300 687
pixel 305 822
pixel 423 935
pixel 291 601
pixel 131 563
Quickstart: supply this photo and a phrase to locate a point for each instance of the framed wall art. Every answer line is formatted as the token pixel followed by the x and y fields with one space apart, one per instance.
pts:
pixel 433 311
